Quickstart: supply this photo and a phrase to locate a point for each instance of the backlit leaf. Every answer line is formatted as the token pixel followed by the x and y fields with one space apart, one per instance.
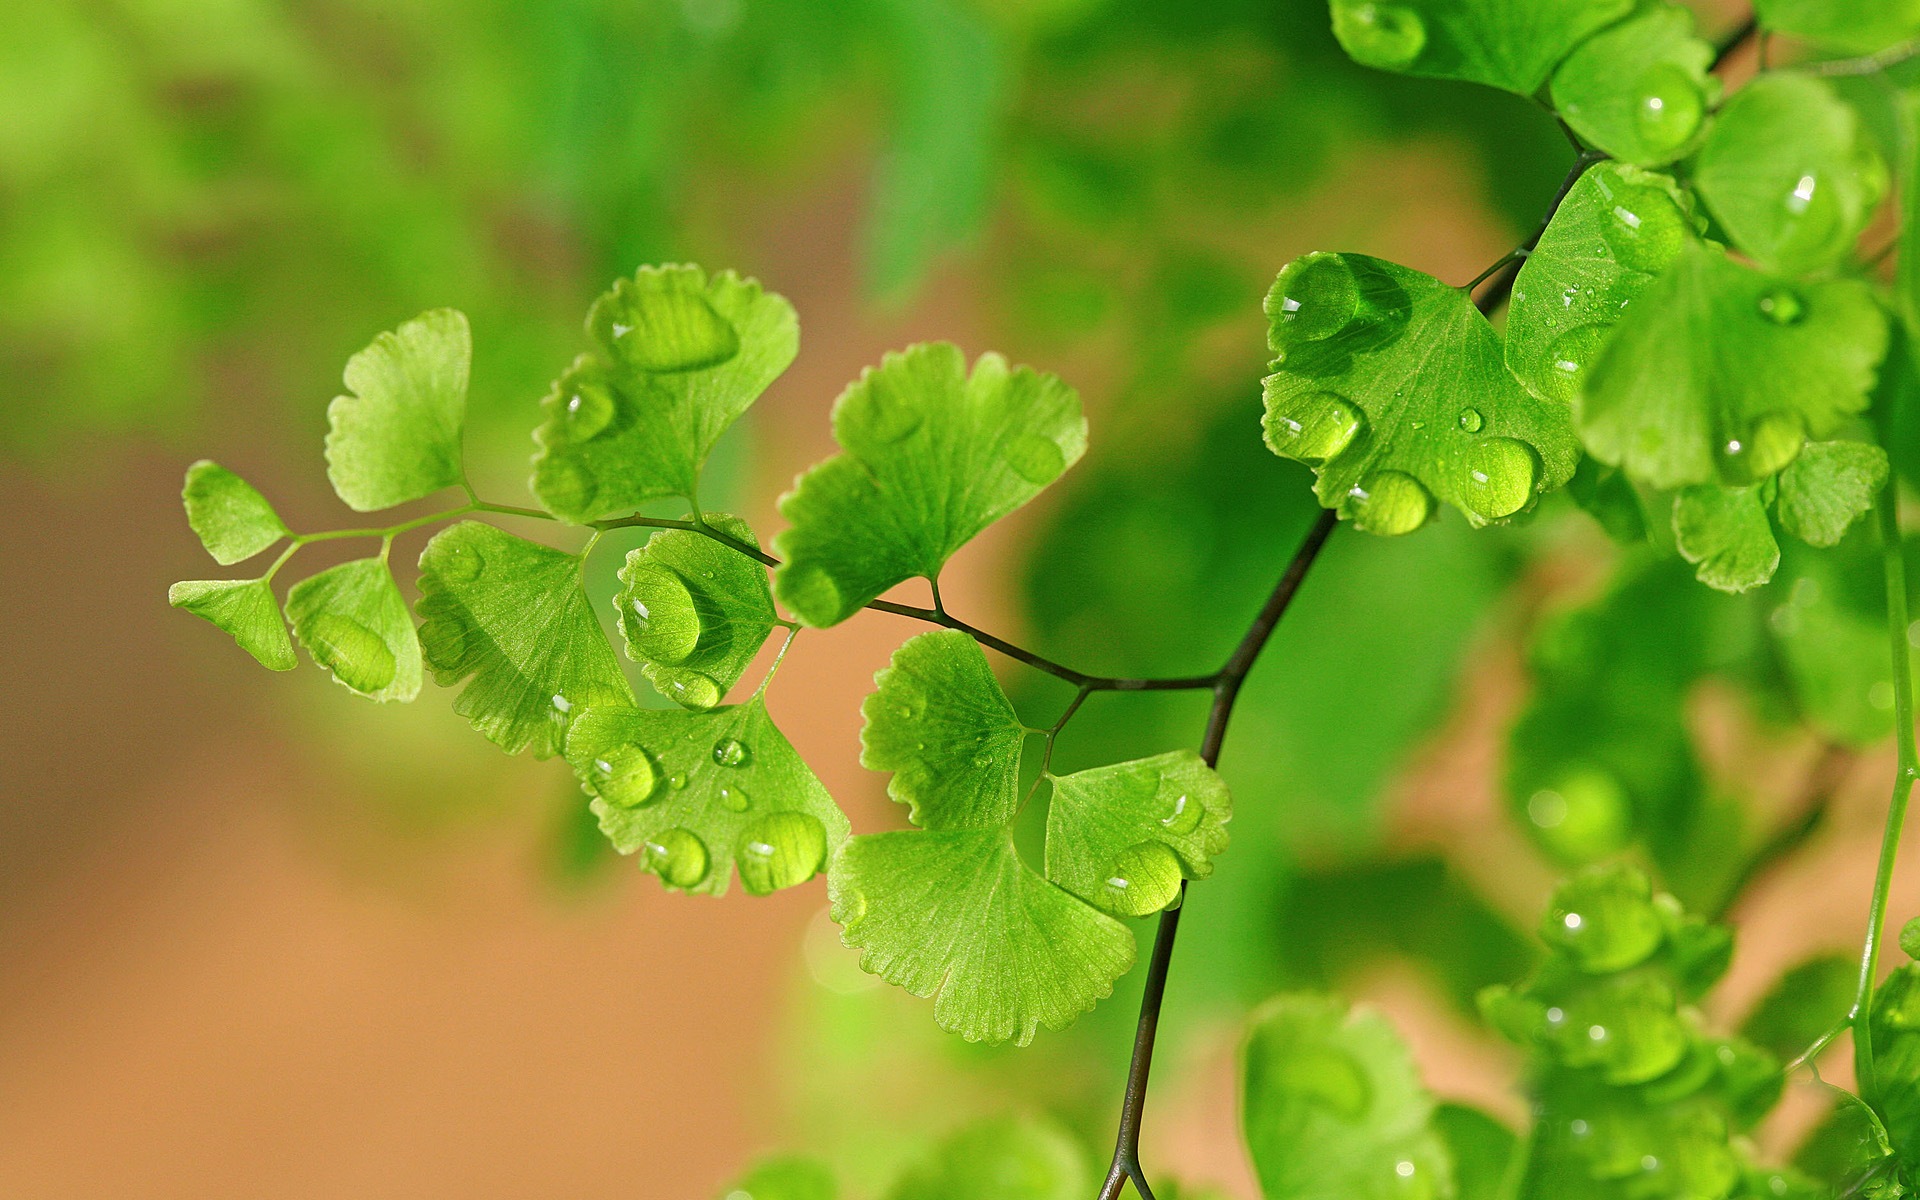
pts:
pixel 232 520
pixel 1895 1088
pixel 511 615
pixel 1000 1158
pixel 1725 533
pixel 694 611
pixel 1509 44
pixel 1805 1003
pixel 1828 488
pixel 396 435
pixel 941 724
pixel 1641 90
pixel 353 622
pixel 786 1177
pixel 244 608
pixel 1858 26
pixel 1122 837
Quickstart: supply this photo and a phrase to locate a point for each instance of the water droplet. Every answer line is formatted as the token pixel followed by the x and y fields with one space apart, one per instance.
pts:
pixel 662 622
pixel 356 655
pixel 779 850
pixel 1771 442
pixel 677 856
pixel 1315 297
pixel 849 907
pixel 589 410
pixel 461 564
pixel 1782 306
pixel 1471 420
pixel 1669 109
pixel 982 761
pixel 1604 919
pixel 1582 817
pixel 1143 879
pixel 1570 358
pixel 1036 458
pixel 1182 813
pixel 1312 427
pixel 689 689
pixel 642 616
pixel 563 485
pixel 625 777
pixel 655 326
pixel 1644 227
pixel 1389 503
pixel 1380 35
pixel 677 780
pixel 733 798
pixel 1501 476
pixel 809 590
pixel 731 752
pixel 561 704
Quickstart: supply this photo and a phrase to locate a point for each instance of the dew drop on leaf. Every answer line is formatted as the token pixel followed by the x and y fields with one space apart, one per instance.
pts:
pixel 1315 297
pixel 1471 421
pixel 625 777
pixel 677 780
pixel 780 850
pixel 1313 426
pixel 689 688
pixel 1380 35
pixel 1669 109
pixel 1570 357
pixel 731 752
pixel 675 331
pixel 1389 503
pixel 589 410
pixel 1604 920
pixel 1501 476
pixel 1645 229
pixel 564 485
pixel 1182 812
pixel 733 798
pixel 1143 879
pixel 1769 444
pixel 461 564
pixel 677 856
pixel 354 653
pixel 1036 458
pixel 1782 306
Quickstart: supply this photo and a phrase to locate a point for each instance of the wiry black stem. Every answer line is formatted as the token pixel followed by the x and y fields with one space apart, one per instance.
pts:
pixel 1502 274
pixel 1226 690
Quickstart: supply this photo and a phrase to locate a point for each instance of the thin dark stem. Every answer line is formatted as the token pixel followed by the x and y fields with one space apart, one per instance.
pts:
pixel 1504 272
pixel 1226 690
pixel 1733 41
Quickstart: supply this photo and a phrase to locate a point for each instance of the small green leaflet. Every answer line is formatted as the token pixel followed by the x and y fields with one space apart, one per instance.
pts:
pixel 1393 386
pixel 786 1177
pixel 352 620
pixel 1617 229
pixel 1510 44
pixel 1828 487
pixel 1854 26
pixel 1122 837
pixel 1829 630
pixel 1895 1030
pixel 1000 1158
pixel 1481 1148
pixel 396 436
pixel 1675 398
pixel 1910 938
pixel 1805 1002
pixel 1641 90
pixel 232 520
pixel 1791 173
pixel 1725 533
pixel 933 455
pixel 954 914
pixel 511 614
pixel 244 608
pixel 678 358
pixel 694 612
pixel 698 794
pixel 1333 1109
pixel 941 724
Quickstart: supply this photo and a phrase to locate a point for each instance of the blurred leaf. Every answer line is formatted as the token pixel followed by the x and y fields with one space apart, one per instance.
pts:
pixel 1481 1148
pixel 1803 1004
pixel 1831 629
pixel 511 617
pixel 932 456
pixel 1001 1158
pixel 1724 532
pixel 1894 1089
pixel 1393 385
pixel 700 793
pixel 678 358
pixel 941 724
pixel 1829 487
pixel 1333 1107
pixel 396 436
pixel 244 608
pixel 1848 1149
pixel 231 519
pixel 352 620
pixel 1641 90
pixel 694 612
pixel 1858 26
pixel 788 1177
pixel 1122 837
pixel 1509 44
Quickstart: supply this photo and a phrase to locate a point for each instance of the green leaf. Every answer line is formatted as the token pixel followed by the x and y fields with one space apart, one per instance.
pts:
pixel 232 520
pixel 1333 1108
pixel 956 915
pixel 1856 26
pixel 1830 633
pixel 1615 232
pixel 1122 837
pixel 786 1177
pixel 1481 1149
pixel 1000 1158
pixel 942 725
pixel 512 615
pixel 933 455
pixel 1393 386
pixel 694 612
pixel 1725 533
pixel 1847 1148
pixel 244 608
pixel 396 436
pixel 1805 1003
pixel 693 792
pixel 1828 488
pixel 352 620
pixel 1895 1030
pixel 1721 370
pixel 677 359
pixel 1510 44
pixel 1791 173
pixel 1641 90
pixel 1910 938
